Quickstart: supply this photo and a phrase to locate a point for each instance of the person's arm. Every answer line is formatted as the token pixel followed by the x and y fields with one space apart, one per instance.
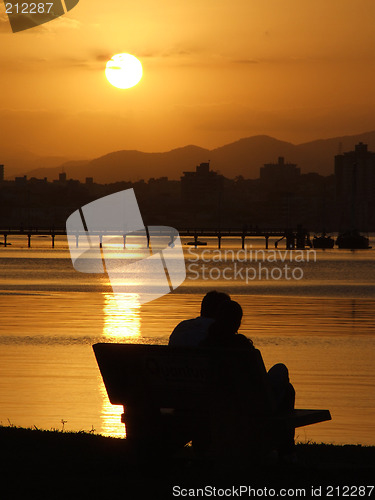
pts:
pixel 243 342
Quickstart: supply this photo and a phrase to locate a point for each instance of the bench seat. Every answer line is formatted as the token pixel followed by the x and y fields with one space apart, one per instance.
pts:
pixel 190 387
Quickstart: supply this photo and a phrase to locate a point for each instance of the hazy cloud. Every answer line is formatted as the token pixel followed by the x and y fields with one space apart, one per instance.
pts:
pixel 104 57
pixel 246 61
pixel 177 51
pixel 60 24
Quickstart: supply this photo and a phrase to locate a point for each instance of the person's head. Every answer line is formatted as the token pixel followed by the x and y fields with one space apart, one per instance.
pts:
pixel 229 317
pixel 212 303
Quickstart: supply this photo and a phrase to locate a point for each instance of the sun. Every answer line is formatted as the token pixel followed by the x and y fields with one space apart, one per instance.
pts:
pixel 123 71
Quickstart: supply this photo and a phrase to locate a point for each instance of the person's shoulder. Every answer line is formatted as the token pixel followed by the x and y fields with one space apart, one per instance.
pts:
pixel 183 323
pixel 186 323
pixel 184 333
pixel 178 330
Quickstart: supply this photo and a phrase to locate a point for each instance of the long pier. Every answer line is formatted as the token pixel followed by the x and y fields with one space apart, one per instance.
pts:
pixel 31 232
pixel 294 238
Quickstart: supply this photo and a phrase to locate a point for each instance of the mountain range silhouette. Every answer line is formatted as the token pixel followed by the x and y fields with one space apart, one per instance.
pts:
pixel 243 157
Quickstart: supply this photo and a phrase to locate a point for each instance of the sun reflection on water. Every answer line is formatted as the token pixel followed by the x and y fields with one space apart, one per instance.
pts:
pixel 122 323
pixel 122 317
pixel 111 424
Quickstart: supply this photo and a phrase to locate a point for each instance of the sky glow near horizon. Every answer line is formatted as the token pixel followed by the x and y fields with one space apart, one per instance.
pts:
pixel 213 71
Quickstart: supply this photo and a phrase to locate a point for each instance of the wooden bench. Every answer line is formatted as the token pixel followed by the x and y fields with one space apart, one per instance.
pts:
pixel 171 395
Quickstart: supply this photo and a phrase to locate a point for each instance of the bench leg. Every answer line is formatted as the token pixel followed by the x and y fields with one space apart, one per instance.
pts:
pixel 150 432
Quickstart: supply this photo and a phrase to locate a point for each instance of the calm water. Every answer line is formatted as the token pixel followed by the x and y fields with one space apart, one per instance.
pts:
pixel 319 321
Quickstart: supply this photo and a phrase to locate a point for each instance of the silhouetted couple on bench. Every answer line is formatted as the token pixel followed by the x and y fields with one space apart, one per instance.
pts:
pixel 217 328
pixel 208 386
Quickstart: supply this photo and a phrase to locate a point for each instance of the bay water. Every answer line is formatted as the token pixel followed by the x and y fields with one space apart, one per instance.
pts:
pixel 317 316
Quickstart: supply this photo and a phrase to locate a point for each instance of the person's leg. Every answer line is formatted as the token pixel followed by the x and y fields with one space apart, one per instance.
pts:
pixel 278 378
pixel 284 394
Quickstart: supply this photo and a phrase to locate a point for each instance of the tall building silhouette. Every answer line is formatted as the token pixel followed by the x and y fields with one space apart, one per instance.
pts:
pixel 202 185
pixel 62 177
pixel 279 173
pixel 355 188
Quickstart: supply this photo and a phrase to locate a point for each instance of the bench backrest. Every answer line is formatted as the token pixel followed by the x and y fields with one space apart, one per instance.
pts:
pixel 182 378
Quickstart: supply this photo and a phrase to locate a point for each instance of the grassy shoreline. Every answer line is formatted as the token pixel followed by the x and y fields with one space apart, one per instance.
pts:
pixel 57 464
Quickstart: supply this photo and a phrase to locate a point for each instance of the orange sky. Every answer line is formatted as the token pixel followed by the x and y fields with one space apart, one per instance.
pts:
pixel 214 71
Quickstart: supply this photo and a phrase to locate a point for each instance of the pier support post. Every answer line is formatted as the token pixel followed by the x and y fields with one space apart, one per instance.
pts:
pixel 124 238
pixel 290 242
pixel 53 240
pixel 267 237
pixel 195 240
pixel 244 231
pixel 77 237
pixel 5 239
pixel 148 237
pixel 219 241
pixel 28 240
pixel 300 237
pixel 100 241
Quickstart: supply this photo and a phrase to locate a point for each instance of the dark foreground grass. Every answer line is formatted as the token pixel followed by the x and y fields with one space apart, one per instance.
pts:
pixel 53 465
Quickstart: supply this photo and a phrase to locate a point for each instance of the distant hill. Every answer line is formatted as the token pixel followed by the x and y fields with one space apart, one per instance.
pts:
pixel 130 165
pixel 243 157
pixel 18 162
pixel 246 156
pixel 318 156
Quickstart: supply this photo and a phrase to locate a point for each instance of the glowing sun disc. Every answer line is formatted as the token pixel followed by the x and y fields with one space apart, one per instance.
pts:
pixel 123 71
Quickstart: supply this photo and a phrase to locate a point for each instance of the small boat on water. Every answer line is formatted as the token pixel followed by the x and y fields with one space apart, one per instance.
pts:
pixel 323 241
pixel 352 240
